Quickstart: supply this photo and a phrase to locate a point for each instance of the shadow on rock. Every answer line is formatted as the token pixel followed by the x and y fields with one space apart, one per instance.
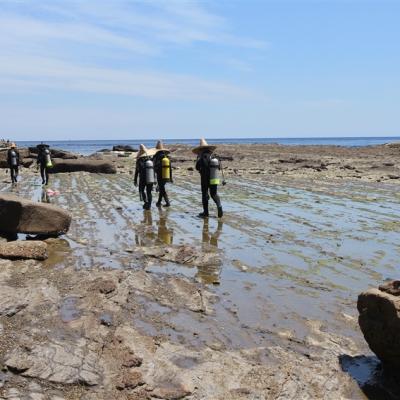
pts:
pixel 367 371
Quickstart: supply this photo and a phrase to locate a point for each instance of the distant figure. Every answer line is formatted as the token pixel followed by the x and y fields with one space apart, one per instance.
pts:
pixel 163 170
pixel 208 166
pixel 44 161
pixel 13 162
pixel 145 172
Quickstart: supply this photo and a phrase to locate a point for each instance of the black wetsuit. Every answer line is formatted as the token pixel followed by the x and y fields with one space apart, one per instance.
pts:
pixel 144 189
pixel 203 166
pixel 13 168
pixel 44 171
pixel 162 193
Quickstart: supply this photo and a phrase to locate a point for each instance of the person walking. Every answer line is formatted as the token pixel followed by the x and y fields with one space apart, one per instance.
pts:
pixel 144 171
pixel 13 162
pixel 208 166
pixel 163 170
pixel 44 161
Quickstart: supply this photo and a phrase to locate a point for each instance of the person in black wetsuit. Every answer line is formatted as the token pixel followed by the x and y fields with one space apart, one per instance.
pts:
pixel 145 188
pixel 163 172
pixel 42 162
pixel 204 152
pixel 13 162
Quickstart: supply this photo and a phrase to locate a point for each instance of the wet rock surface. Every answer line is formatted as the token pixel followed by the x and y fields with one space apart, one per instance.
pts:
pixel 380 323
pixel 19 249
pixel 127 307
pixel 19 215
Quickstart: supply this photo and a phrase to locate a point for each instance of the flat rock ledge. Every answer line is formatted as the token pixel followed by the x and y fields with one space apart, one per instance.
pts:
pixel 379 321
pixel 19 215
pixel 23 250
pixel 82 164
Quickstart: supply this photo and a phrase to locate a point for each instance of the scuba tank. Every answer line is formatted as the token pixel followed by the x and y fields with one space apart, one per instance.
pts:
pixel 13 158
pixel 166 168
pixel 149 171
pixel 47 158
pixel 214 171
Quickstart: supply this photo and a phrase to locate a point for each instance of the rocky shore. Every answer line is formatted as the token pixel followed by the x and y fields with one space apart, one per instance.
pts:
pixel 160 305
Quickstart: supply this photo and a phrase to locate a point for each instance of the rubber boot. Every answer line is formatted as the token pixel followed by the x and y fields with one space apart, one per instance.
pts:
pixel 220 212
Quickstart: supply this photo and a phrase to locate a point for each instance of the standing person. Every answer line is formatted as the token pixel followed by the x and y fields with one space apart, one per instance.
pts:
pixel 13 162
pixel 44 161
pixel 208 166
pixel 163 170
pixel 145 172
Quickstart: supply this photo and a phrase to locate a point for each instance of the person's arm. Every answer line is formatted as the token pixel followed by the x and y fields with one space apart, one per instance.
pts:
pixel 198 163
pixel 136 173
pixel 9 157
pixel 170 171
pixel 17 157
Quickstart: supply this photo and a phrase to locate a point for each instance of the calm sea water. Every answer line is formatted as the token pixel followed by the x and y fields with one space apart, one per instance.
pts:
pixel 91 146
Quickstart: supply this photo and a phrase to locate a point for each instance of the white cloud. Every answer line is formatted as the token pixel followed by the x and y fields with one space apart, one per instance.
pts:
pixel 44 73
pixel 68 45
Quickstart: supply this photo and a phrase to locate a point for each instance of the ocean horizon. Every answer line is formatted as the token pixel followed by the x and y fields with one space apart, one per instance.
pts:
pixel 86 147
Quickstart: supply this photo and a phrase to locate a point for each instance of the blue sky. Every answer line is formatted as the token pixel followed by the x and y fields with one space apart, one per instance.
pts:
pixel 99 69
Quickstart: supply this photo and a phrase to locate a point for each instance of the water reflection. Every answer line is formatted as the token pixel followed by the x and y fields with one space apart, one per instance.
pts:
pixel 210 274
pixel 145 235
pixel 165 234
pixel 213 237
pixel 45 198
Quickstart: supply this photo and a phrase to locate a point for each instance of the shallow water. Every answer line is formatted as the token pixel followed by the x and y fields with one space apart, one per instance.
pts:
pixel 289 256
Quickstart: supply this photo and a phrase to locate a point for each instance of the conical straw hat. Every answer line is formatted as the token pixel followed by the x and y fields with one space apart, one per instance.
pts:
pixel 145 152
pixel 13 146
pixel 160 147
pixel 202 146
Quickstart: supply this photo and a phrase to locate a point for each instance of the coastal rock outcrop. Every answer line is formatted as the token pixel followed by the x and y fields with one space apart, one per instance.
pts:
pixel 122 147
pixel 19 215
pixel 23 249
pixel 379 321
pixel 23 153
pixel 82 164
pixel 55 153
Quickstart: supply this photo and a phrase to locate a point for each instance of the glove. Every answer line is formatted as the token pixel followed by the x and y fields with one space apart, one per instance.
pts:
pixel 223 182
pixel 135 184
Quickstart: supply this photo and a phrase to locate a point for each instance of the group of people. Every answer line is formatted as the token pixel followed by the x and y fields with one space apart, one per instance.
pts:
pixel 154 166
pixel 43 162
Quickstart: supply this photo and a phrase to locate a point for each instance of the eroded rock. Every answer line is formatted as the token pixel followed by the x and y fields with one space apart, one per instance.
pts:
pixel 379 321
pixel 82 164
pixel 19 215
pixel 19 249
pixel 184 254
pixel 57 362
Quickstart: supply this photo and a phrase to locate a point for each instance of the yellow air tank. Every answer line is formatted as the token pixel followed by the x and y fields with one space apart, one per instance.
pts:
pixel 166 168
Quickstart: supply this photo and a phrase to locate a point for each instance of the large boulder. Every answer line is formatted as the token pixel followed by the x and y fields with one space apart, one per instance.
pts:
pixel 24 249
pixel 380 323
pixel 55 153
pixel 124 147
pixel 19 215
pixel 83 164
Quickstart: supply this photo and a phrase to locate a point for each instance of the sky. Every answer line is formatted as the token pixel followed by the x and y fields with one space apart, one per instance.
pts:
pixel 102 69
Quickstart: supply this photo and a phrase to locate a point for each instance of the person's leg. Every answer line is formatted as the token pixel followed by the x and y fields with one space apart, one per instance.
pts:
pixel 164 193
pixel 12 174
pixel 204 198
pixel 217 200
pixel 42 174
pixel 47 175
pixel 16 173
pixel 143 194
pixel 149 188
pixel 160 196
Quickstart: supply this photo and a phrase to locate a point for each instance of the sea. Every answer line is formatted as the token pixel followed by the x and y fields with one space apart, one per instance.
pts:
pixel 86 147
